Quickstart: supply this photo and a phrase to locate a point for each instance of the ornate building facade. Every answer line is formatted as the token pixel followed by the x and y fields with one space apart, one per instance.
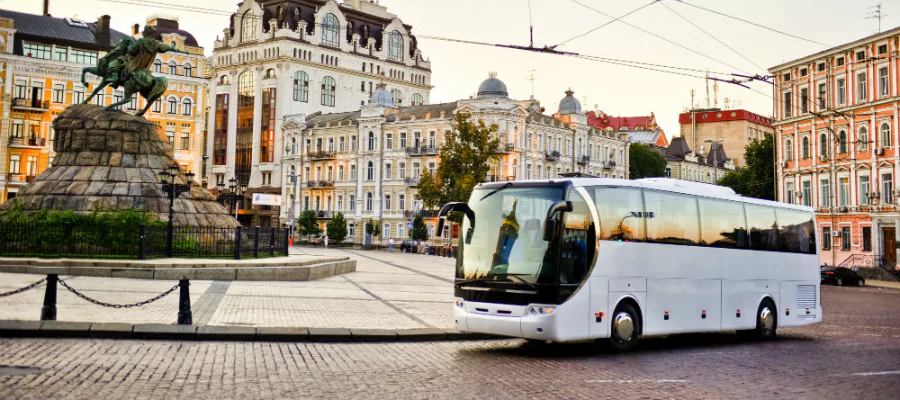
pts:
pixel 367 163
pixel 735 128
pixel 41 59
pixel 836 118
pixel 287 60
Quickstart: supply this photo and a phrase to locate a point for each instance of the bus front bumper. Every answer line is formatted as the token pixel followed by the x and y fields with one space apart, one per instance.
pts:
pixel 531 322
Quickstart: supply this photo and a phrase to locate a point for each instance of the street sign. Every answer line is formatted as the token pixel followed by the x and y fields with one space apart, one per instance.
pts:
pixel 409 225
pixel 262 199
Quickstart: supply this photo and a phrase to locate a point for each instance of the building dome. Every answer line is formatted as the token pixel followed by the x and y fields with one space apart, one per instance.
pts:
pixel 492 87
pixel 381 97
pixel 569 104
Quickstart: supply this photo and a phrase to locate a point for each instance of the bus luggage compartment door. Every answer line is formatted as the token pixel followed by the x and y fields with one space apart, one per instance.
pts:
pixel 600 313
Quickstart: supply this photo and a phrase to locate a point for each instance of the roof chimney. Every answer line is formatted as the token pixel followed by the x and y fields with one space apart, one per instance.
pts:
pixel 102 31
pixel 46 8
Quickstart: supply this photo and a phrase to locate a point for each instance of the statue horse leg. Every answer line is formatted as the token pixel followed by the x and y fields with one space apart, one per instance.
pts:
pixel 125 100
pixel 153 92
pixel 84 72
pixel 99 87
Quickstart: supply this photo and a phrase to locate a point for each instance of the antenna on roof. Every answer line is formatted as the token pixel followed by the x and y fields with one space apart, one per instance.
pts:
pixel 532 79
pixel 876 14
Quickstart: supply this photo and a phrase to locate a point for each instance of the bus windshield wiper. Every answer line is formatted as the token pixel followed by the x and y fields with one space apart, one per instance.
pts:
pixel 506 185
pixel 487 279
pixel 520 279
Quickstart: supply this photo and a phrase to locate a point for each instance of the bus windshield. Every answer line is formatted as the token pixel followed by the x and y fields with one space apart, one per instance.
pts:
pixel 507 242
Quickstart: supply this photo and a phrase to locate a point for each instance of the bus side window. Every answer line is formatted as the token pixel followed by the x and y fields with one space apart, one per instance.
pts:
pixel 796 231
pixel 671 218
pixel 723 224
pixel 763 227
pixel 578 241
pixel 621 213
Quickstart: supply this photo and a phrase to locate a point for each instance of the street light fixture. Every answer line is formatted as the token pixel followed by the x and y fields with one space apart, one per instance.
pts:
pixel 173 190
pixel 236 191
pixel 713 148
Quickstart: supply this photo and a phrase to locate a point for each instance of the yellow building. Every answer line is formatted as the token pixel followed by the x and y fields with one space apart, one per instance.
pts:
pixel 41 59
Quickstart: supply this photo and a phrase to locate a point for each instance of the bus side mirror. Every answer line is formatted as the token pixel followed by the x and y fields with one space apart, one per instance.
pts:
pixel 550 223
pixel 549 229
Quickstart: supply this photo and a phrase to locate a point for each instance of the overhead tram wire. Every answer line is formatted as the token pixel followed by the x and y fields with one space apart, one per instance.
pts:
pixel 713 36
pixel 661 37
pixel 754 24
pixel 608 22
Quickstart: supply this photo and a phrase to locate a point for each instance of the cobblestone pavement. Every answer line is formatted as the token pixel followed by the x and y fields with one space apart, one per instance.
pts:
pixel 388 291
pixel 854 353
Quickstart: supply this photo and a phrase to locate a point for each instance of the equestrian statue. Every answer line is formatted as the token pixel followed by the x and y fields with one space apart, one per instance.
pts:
pixel 128 66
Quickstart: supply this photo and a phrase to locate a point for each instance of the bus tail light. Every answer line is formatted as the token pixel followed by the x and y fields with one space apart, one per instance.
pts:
pixel 787 311
pixel 703 314
pixel 666 316
pixel 738 314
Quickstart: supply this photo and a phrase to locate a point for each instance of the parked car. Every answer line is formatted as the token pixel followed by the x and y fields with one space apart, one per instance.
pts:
pixel 407 245
pixel 842 276
pixel 317 239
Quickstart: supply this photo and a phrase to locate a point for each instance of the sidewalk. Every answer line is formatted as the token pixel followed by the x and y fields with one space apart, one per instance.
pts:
pixel 389 291
pixel 883 284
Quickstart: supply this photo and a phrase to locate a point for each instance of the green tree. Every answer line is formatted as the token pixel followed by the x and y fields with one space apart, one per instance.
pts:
pixel 757 179
pixel 337 228
pixel 419 231
pixel 373 228
pixel 307 223
pixel 464 162
pixel 645 162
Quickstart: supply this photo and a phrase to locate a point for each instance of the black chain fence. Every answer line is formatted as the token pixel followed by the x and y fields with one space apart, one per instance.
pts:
pixel 100 303
pixel 17 291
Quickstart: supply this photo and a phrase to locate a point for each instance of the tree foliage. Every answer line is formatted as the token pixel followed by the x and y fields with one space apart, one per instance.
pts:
pixel 644 162
pixel 307 223
pixel 419 231
pixel 465 162
pixel 337 228
pixel 373 228
pixel 757 179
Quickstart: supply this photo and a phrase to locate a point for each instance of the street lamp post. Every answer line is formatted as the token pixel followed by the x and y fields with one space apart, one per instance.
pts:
pixel 236 191
pixel 173 190
pixel 713 148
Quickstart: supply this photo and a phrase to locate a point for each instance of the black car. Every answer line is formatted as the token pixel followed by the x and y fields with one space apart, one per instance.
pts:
pixel 841 276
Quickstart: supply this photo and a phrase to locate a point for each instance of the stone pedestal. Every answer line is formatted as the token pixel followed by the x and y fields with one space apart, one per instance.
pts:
pixel 110 160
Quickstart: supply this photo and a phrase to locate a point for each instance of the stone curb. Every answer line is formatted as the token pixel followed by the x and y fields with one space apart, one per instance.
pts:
pixel 65 329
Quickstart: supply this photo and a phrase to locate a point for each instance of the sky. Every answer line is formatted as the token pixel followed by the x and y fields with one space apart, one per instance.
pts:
pixel 457 69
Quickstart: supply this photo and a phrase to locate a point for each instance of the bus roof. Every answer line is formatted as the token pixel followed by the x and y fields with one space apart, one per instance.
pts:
pixel 665 184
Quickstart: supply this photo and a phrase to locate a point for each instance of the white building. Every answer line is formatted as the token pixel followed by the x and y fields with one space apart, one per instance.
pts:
pixel 288 59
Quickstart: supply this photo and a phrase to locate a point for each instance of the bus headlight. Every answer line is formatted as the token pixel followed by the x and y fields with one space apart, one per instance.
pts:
pixel 460 303
pixel 541 310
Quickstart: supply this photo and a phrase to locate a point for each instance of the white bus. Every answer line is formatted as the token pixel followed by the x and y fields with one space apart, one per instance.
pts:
pixel 582 258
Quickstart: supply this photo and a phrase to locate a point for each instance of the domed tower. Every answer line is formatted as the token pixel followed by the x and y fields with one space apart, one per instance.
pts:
pixel 570 109
pixel 381 97
pixel 492 88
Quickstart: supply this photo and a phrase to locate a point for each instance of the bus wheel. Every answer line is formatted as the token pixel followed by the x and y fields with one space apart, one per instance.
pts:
pixel 766 322
pixel 626 328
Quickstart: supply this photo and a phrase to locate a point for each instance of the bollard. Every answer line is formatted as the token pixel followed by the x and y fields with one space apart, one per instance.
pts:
pixel 48 312
pixel 184 303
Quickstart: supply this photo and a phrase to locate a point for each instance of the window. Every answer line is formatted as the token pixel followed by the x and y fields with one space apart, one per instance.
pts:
pixel 823 145
pixel 787 76
pixel 843 191
pixel 157 66
pixel 789 193
pixel 187 107
pixel 826 238
pixel 248 27
pixel 823 101
pixel 417 100
pixel 804 72
pixel 860 55
pixel 34 50
pixel 59 93
pixel 845 238
pixel 402 171
pixel 329 89
pixel 77 95
pixel 370 171
pixel 807 193
pixel 882 49
pixel 173 68
pixel 887 187
pixel 387 204
pixel 352 202
pixel 787 105
pixel 185 141
pixel 841 91
pixel 397 96
pixel 884 83
pixel 863 139
pixel 761 223
pixel 388 141
pixel 839 61
pixel 395 47
pixel 886 135
pixel 387 172
pixel 672 218
pixel 842 142
pixel 15 163
pixel 188 70
pixel 796 232
pixel 861 86
pixel 722 224
pixel 804 147
pixel 804 100
pixel 61 54
pixel 824 193
pixel 863 189
pixel 402 140
pixel 270 74
pixel 867 238
pixel 330 28
pixel 172 105
pixel 157 105
pixel 369 201
pixel 820 67
pixel 386 232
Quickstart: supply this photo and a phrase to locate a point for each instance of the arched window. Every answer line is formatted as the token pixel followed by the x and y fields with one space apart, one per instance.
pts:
pixel 328 91
pixel 398 96
pixel 349 31
pixel 188 70
pixel 863 139
pixel 173 68
pixel 223 80
pixel 301 86
pixel 270 73
pixel 370 171
pixel 248 27
pixel 187 106
pixel 788 150
pixel 371 141
pixel 172 44
pixel 368 201
pixel 804 147
pixel 330 29
pixel 842 142
pixel 885 135
pixel 172 106
pixel 395 47
pixel 823 145
pixel 157 66
pixel 246 84
pixel 417 99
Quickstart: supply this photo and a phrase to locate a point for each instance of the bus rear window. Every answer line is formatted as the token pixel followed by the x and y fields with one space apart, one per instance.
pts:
pixel 796 232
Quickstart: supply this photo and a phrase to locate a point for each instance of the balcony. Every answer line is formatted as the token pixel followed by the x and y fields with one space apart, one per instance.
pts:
pixel 505 148
pixel 584 160
pixel 18 179
pixel 411 182
pixel 421 213
pixel 609 165
pixel 321 155
pixel 34 142
pixel 422 151
pixel 326 184
pixel 30 105
pixel 323 214
pixel 551 156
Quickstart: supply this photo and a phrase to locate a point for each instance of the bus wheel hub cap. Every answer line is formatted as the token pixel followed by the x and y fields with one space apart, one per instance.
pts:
pixel 623 327
pixel 766 319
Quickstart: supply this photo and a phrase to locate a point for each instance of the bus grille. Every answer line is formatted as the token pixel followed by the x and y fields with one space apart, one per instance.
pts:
pixel 806 297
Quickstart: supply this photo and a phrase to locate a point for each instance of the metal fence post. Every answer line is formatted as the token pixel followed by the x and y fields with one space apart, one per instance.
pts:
pixel 287 242
pixel 48 312
pixel 237 242
pixel 272 242
pixel 256 243
pixel 142 235
pixel 184 303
